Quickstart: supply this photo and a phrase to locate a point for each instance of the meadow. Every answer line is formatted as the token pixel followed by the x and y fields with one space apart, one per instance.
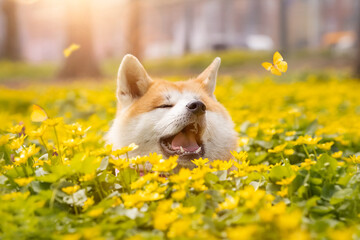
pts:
pixel 294 174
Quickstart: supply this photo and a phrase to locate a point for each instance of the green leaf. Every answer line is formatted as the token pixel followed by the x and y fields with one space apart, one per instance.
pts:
pixel 279 172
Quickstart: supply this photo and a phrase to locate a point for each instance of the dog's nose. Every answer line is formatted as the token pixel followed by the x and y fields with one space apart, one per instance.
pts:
pixel 196 107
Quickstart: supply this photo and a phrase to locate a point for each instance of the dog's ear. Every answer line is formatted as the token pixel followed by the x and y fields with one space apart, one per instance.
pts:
pixel 132 81
pixel 208 77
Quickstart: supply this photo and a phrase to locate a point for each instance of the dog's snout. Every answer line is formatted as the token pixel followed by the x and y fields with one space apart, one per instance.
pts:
pixel 196 107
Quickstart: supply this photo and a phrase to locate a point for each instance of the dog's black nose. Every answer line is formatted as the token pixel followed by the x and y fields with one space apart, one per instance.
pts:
pixel 196 107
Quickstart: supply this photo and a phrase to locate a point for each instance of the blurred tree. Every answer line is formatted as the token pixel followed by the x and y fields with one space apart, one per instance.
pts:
pixel 11 46
pixel 188 18
pixel 133 33
pixel 81 63
pixel 283 26
pixel 357 61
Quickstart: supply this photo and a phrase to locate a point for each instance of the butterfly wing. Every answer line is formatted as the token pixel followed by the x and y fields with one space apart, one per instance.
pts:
pixel 38 114
pixel 267 65
pixel 282 66
pixel 68 51
pixel 275 71
pixel 277 58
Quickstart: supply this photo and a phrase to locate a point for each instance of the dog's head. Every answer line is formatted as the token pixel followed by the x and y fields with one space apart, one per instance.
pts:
pixel 172 118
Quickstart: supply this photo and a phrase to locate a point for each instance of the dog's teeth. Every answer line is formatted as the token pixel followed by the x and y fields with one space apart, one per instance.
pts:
pixel 198 150
pixel 181 149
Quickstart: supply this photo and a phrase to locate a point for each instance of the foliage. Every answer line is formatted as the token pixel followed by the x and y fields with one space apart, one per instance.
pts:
pixel 293 176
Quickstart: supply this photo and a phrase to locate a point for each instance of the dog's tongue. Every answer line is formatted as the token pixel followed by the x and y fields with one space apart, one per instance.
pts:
pixel 186 140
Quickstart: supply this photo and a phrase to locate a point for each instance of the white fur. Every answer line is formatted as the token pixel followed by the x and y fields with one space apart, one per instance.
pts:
pixel 147 129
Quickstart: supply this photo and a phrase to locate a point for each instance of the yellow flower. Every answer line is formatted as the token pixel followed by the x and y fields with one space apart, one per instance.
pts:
pixel 87 177
pixel 245 232
pixel 38 132
pixel 325 146
pixel 105 151
pixel 13 195
pixel 199 185
pixel 221 165
pixel 119 163
pixel 242 141
pixel 124 150
pixel 138 160
pixel 283 192
pixel 4 139
pixel 286 181
pixel 165 165
pixel 77 129
pixel 337 154
pixel 71 190
pixel 229 204
pixel 8 167
pixel 30 151
pixel 137 199
pixel 278 149
pixel 88 203
pixel 24 181
pixel 179 228
pixel 52 122
pixel 179 195
pixel 95 212
pixel 162 220
pixel 144 179
pixel 17 142
pixel 353 159
pixel 241 156
pixel 20 160
pixel 307 163
pixel 291 133
pixel 72 143
pixel 295 168
pixel 289 221
pixel 116 201
pixel 307 140
pixel 185 210
pixel 183 176
pixel 289 152
pixel 154 158
pixel 200 162
pixel 17 129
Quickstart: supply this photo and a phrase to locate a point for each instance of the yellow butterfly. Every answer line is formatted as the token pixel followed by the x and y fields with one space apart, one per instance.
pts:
pixel 38 114
pixel 69 50
pixel 279 66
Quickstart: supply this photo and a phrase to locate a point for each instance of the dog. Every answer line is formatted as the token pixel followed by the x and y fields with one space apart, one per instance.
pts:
pixel 171 118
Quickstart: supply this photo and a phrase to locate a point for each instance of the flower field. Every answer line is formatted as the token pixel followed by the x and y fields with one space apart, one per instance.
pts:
pixel 294 175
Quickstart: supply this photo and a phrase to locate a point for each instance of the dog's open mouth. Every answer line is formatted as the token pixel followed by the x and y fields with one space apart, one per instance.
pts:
pixel 187 142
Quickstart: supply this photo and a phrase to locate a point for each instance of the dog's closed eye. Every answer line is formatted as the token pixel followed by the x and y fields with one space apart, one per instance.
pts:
pixel 165 106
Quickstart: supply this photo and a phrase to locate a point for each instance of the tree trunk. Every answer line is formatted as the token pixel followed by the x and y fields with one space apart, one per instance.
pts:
pixel 133 34
pixel 357 60
pixel 283 26
pixel 81 63
pixel 11 47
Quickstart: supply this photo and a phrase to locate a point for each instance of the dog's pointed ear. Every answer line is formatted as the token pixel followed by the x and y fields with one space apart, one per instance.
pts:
pixel 132 81
pixel 208 77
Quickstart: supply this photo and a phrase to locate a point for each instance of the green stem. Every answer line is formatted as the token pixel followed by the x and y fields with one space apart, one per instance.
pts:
pixel 316 156
pixel 306 151
pixel 75 208
pixel 24 170
pixel 99 189
pixel 44 144
pixel 58 144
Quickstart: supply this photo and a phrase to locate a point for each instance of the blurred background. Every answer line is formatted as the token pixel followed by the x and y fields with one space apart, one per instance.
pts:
pixel 175 36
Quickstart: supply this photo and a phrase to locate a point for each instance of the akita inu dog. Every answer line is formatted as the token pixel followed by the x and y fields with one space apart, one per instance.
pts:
pixel 172 118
